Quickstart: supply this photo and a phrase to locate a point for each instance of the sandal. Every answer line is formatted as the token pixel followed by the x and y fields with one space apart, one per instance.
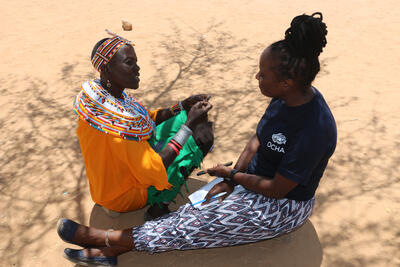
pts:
pixel 77 256
pixel 66 231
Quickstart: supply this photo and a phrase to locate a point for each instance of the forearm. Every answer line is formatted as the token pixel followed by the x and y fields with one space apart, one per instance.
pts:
pixel 259 184
pixel 247 154
pixel 168 156
pixel 163 115
pixel 171 150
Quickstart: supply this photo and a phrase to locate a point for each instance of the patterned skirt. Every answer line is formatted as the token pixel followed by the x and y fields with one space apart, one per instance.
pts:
pixel 243 217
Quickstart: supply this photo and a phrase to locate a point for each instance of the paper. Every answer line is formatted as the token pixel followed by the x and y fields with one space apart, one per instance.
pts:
pixel 198 197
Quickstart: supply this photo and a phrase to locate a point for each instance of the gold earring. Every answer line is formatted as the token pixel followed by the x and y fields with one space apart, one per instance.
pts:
pixel 108 84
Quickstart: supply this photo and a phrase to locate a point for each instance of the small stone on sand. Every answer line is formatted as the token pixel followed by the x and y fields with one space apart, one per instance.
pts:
pixel 127 26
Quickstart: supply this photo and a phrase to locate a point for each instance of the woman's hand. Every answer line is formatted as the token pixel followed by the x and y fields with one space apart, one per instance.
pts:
pixel 221 171
pixel 191 100
pixel 219 188
pixel 198 113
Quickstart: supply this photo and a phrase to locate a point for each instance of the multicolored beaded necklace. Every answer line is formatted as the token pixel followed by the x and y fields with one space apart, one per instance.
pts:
pixel 125 118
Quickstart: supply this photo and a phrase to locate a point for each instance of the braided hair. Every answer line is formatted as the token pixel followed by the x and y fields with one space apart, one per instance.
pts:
pixel 297 54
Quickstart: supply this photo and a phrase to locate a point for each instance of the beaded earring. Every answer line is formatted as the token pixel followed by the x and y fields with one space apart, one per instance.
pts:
pixel 108 84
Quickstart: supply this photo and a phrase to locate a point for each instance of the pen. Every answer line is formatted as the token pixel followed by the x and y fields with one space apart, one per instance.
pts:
pixel 226 164
pixel 213 197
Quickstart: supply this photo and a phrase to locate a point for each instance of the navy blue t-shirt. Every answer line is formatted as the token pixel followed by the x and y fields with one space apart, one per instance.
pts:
pixel 296 142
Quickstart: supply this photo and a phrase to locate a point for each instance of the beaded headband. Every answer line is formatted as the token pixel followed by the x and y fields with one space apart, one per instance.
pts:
pixel 108 49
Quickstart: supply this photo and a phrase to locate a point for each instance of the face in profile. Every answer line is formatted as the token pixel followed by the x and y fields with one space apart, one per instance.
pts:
pixel 268 81
pixel 123 68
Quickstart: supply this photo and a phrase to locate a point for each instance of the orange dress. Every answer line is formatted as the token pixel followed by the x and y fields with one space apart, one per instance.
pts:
pixel 120 170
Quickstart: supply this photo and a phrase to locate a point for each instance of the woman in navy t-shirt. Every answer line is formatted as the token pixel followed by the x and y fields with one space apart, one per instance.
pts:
pixel 295 138
pixel 271 189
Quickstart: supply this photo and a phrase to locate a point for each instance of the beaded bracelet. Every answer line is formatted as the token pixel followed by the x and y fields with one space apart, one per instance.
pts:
pixel 175 109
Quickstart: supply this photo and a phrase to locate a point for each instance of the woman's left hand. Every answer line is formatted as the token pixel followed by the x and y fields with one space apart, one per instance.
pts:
pixel 191 100
pixel 221 171
pixel 221 187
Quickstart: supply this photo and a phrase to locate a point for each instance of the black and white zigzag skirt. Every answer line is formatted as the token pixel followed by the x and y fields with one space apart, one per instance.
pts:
pixel 243 217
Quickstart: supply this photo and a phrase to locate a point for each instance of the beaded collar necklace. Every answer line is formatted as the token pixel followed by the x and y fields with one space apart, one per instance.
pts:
pixel 125 118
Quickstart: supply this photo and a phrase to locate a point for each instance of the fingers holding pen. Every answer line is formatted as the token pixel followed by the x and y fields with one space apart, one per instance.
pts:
pixel 205 171
pixel 220 170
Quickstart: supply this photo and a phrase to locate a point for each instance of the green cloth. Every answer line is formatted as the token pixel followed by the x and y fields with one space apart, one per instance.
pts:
pixel 189 157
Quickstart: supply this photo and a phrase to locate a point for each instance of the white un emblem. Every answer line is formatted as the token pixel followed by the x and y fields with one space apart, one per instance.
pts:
pixel 279 138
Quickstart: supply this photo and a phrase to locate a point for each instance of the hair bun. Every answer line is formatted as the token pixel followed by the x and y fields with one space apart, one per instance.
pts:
pixel 306 36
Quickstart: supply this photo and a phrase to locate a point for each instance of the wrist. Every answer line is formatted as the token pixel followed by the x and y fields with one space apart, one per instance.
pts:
pixel 229 183
pixel 189 124
pixel 174 147
pixel 232 175
pixel 182 135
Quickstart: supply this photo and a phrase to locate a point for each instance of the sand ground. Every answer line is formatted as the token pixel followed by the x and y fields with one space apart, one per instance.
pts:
pixel 187 47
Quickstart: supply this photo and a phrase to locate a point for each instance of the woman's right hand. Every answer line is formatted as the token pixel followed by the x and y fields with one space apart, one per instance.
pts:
pixel 198 113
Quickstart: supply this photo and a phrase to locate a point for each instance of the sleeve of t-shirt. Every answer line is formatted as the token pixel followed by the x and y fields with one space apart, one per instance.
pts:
pixel 302 156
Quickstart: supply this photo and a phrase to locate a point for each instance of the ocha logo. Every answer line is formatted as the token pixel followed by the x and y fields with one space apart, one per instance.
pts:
pixel 279 139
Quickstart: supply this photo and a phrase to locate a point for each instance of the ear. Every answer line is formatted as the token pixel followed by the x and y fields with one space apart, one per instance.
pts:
pixel 105 69
pixel 105 72
pixel 287 84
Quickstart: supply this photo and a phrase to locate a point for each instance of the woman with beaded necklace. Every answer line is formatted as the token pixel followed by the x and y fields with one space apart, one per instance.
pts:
pixel 128 163
pixel 271 189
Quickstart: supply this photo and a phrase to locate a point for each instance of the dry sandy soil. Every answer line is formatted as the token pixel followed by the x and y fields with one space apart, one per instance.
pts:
pixel 186 47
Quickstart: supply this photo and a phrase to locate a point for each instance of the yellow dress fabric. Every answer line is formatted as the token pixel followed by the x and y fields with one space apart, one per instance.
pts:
pixel 120 170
